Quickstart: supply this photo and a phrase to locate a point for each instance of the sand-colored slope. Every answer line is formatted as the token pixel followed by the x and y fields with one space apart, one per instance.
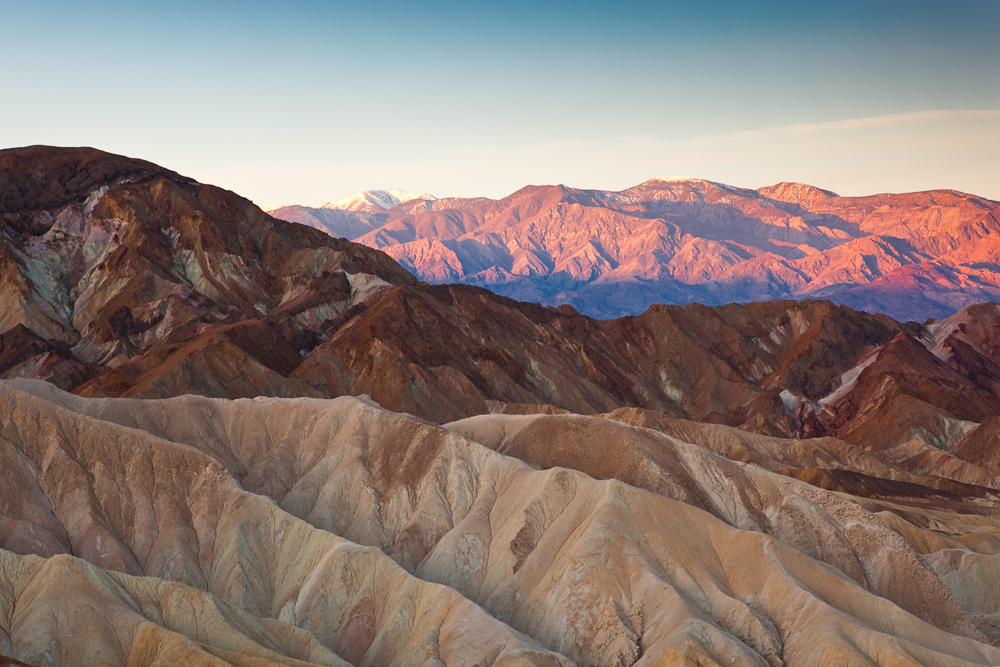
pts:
pixel 820 524
pixel 601 571
pixel 63 610
pixel 913 462
pixel 126 501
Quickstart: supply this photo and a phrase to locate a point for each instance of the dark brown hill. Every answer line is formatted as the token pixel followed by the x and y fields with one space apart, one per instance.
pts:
pixel 107 258
pixel 444 352
pixel 43 178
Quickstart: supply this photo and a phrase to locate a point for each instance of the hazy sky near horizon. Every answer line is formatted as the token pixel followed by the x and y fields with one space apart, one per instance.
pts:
pixel 305 102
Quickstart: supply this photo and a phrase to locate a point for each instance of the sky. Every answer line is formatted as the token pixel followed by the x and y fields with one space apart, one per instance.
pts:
pixel 306 102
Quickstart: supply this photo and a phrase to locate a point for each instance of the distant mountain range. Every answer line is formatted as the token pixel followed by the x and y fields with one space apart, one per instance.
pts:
pixel 912 256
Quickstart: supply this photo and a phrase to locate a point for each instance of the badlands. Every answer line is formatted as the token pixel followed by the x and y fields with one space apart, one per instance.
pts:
pixel 227 439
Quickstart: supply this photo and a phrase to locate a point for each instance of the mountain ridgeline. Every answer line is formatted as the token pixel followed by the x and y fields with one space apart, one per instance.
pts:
pixel 608 254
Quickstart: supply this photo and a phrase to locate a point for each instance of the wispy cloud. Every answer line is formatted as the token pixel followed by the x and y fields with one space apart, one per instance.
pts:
pixel 857 156
pixel 892 120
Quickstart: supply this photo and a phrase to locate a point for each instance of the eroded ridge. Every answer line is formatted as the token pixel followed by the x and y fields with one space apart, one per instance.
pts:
pixel 670 554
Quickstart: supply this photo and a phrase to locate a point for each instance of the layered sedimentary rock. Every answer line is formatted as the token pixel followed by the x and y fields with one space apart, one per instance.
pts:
pixel 136 550
pixel 106 257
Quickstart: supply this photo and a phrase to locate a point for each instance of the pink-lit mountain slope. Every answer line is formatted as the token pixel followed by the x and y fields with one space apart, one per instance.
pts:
pixel 354 215
pixel 912 256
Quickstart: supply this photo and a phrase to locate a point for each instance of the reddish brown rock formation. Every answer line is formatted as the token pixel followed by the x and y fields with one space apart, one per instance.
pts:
pixel 109 258
pixel 443 352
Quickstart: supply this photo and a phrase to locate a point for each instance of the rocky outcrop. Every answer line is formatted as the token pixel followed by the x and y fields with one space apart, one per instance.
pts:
pixel 444 352
pixel 107 258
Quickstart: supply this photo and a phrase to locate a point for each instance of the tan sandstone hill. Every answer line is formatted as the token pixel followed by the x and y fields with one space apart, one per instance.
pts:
pixel 685 568
pixel 247 577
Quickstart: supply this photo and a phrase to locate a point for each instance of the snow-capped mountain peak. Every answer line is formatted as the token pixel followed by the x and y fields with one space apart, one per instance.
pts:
pixel 374 200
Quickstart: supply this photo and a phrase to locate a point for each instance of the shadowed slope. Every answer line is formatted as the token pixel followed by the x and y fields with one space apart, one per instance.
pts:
pixel 442 352
pixel 108 257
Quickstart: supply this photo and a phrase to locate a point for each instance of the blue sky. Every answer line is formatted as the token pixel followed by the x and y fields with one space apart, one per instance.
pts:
pixel 304 102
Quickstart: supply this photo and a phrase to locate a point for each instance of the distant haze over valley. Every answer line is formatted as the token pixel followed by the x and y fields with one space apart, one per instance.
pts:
pixel 614 253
